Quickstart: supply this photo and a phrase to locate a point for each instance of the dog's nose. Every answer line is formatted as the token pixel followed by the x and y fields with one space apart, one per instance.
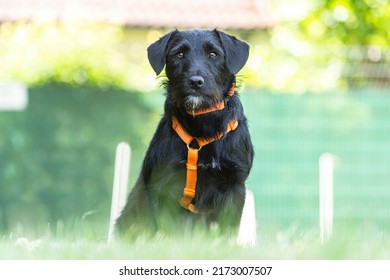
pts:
pixel 196 82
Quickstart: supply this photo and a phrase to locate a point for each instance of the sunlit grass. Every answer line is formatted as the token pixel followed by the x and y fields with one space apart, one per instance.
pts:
pixel 363 242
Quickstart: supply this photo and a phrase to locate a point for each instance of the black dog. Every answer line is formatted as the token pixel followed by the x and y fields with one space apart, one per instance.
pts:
pixel 201 154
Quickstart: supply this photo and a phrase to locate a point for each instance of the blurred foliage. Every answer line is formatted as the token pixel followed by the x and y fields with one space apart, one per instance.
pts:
pixel 75 53
pixel 311 46
pixel 351 22
pixel 305 52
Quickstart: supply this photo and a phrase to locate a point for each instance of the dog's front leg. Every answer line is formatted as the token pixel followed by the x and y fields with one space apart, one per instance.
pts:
pixel 136 217
pixel 229 214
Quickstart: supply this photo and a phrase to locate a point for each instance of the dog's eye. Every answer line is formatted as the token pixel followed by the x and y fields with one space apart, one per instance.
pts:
pixel 180 55
pixel 213 55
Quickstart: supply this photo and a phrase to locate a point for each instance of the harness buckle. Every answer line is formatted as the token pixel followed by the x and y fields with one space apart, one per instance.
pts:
pixel 196 140
pixel 200 147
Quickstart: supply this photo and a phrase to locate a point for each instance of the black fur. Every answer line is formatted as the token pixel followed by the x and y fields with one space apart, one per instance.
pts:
pixel 200 69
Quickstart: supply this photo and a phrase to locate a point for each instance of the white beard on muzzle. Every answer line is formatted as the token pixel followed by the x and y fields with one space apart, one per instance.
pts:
pixel 193 103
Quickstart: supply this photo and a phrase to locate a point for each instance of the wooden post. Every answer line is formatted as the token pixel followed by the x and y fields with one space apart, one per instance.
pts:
pixel 119 191
pixel 326 165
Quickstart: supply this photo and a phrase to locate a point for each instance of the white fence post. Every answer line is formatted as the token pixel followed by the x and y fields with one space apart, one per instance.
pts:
pixel 247 232
pixel 119 190
pixel 13 96
pixel 326 169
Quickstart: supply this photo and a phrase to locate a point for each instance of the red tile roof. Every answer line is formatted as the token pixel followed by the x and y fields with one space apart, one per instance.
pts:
pixel 236 14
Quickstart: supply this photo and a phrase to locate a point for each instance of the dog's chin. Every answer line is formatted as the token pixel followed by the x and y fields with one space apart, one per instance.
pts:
pixel 193 102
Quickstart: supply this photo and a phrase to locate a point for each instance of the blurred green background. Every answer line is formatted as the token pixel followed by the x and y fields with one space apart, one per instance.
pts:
pixel 317 81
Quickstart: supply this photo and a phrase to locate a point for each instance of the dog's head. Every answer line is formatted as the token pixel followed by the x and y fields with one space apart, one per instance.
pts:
pixel 200 65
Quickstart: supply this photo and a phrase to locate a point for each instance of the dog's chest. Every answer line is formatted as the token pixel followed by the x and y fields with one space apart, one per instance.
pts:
pixel 213 164
pixel 207 160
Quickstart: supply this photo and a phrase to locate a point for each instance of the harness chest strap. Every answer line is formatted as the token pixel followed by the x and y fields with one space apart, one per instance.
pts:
pixel 192 160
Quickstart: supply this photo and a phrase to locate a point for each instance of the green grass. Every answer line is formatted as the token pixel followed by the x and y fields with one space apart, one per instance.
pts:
pixel 365 242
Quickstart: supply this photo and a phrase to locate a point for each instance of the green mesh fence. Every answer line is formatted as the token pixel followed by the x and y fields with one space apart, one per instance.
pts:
pixel 57 156
pixel 291 132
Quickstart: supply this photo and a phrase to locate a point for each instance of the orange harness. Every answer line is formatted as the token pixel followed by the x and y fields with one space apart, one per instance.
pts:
pixel 192 156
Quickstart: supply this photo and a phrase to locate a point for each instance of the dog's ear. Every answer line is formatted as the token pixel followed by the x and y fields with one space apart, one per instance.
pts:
pixel 236 51
pixel 157 53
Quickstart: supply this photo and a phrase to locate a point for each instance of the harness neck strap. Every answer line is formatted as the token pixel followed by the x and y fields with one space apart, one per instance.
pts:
pixel 192 160
pixel 216 107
